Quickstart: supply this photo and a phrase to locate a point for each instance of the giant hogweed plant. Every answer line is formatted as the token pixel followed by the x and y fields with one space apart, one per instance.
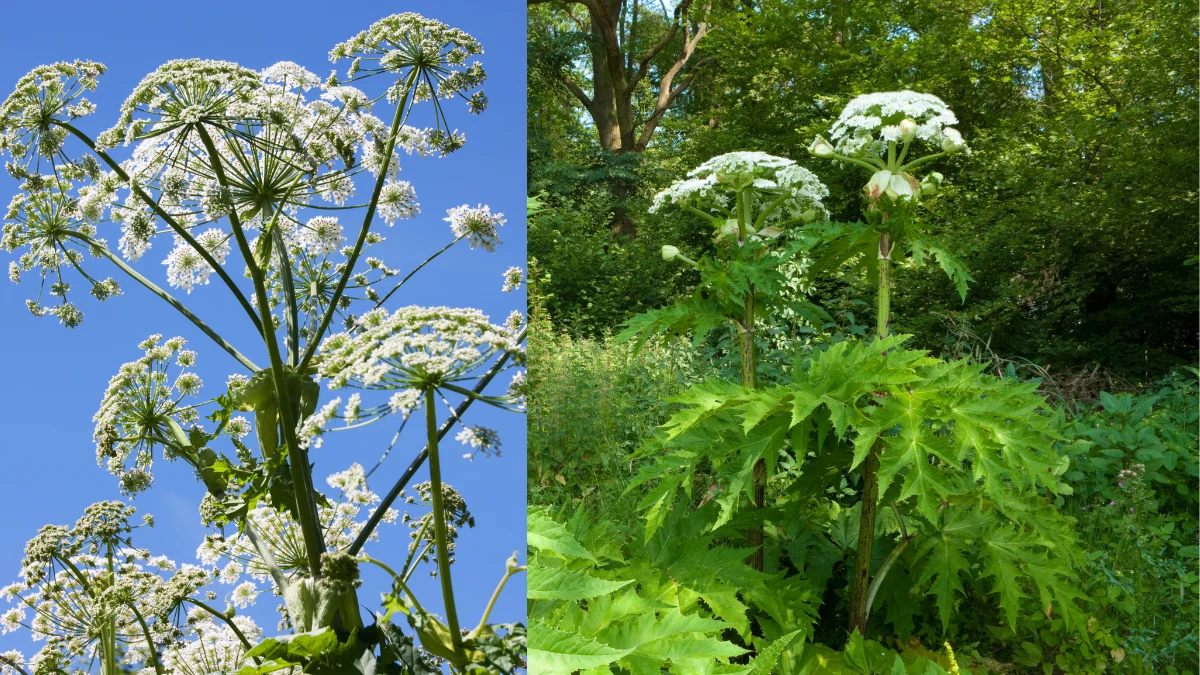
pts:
pixel 920 477
pixel 245 177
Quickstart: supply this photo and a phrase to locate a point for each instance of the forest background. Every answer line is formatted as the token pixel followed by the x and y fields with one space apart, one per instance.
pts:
pixel 1076 213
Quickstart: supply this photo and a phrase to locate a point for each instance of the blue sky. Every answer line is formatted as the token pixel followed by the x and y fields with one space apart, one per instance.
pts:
pixel 56 376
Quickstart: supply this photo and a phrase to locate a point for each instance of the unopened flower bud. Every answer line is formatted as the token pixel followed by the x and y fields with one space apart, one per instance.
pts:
pixel 931 183
pixel 952 141
pixel 908 129
pixel 669 252
pixel 821 148
pixel 511 566
pixel 727 229
pixel 809 215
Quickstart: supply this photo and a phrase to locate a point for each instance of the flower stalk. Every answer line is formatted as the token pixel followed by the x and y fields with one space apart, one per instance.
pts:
pixel 439 518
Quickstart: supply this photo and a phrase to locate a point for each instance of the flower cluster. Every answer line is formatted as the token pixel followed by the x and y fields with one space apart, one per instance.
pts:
pixel 871 121
pixel 211 647
pixel 181 93
pixel 1131 474
pixel 421 532
pixel 77 579
pixel 479 439
pixel 186 267
pixel 48 222
pixel 417 348
pixel 139 411
pixel 780 193
pixel 45 97
pixel 513 277
pixel 477 224
pixel 876 132
pixel 398 200
pixel 429 59
pixel 280 534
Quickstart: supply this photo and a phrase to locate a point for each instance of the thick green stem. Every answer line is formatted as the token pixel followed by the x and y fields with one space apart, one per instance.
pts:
pixel 439 518
pixel 110 626
pixel 306 512
pixel 860 594
pixel 884 299
pixel 754 537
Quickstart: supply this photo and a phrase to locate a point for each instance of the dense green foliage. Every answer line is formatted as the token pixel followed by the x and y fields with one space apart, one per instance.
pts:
pixel 1076 214
pixel 1138 570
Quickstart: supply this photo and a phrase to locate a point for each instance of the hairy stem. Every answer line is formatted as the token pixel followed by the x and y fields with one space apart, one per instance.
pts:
pixel 754 537
pixel 869 505
pixel 439 518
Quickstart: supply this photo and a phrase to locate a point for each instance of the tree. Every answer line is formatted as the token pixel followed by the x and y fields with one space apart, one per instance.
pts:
pixel 634 83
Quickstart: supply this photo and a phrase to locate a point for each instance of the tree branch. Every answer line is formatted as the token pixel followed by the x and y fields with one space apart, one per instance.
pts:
pixel 644 62
pixel 579 93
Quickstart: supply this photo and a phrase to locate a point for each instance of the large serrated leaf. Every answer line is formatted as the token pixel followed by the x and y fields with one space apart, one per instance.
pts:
pixel 546 535
pixel 554 651
pixel 567 584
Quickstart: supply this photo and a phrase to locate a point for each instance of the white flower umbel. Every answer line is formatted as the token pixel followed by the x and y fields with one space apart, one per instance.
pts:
pixel 428 60
pixel 413 348
pixel 45 224
pixel 94 597
pixel 477 224
pixel 398 200
pixel 321 235
pixel 139 409
pixel 479 439
pixel 869 122
pixel 877 131
pixel 773 192
pixel 211 647
pixel 513 277
pixel 45 95
pixel 281 535
pixel 186 268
